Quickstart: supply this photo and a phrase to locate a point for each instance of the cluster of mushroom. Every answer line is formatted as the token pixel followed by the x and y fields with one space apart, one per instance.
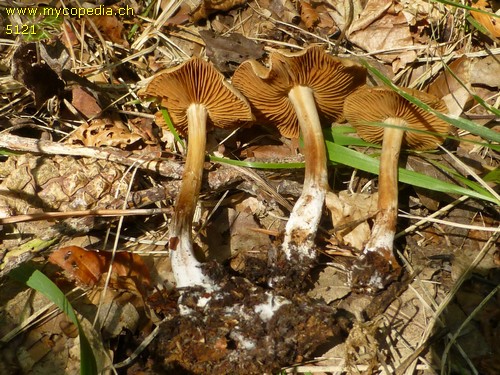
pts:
pixel 295 93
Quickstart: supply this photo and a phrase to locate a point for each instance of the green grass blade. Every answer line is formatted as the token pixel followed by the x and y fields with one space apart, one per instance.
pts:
pixel 343 155
pixel 171 127
pixel 477 98
pixel 464 180
pixel 339 133
pixel 463 6
pixel 493 176
pixel 37 280
pixel 479 26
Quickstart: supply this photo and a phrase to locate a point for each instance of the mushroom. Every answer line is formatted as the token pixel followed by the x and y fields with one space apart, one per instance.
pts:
pixel 403 124
pixel 222 322
pixel 296 92
pixel 196 96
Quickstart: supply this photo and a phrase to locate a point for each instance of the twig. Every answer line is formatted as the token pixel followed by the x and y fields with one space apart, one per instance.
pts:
pixel 437 213
pixel 451 224
pixel 163 167
pixel 101 213
pixel 469 170
pixel 418 351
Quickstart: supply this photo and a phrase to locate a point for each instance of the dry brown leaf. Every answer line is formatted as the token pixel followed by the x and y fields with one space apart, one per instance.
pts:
pixel 308 15
pixel 492 24
pixel 432 200
pixel 330 286
pixel 85 102
pixel 284 10
pixel 208 7
pixel 143 127
pixel 381 27
pixel 486 71
pixel 269 152
pixel 455 93
pixel 111 28
pixel 87 266
pixel 230 50
pixel 103 132
pixel 181 16
pixel 347 209
pixel 326 23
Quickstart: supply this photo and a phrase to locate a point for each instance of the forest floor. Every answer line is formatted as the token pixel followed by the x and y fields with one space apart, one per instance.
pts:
pixel 76 134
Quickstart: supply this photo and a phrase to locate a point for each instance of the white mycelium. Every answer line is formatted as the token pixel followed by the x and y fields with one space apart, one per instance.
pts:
pixel 267 309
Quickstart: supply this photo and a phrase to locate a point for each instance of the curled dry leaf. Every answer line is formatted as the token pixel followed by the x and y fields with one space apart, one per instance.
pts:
pixel 87 266
pixel 111 28
pixel 350 212
pixel 208 7
pixel 453 85
pixel 491 24
pixel 308 15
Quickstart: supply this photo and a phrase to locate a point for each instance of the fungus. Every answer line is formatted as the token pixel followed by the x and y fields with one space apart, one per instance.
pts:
pixel 196 96
pixel 296 92
pixel 221 323
pixel 403 124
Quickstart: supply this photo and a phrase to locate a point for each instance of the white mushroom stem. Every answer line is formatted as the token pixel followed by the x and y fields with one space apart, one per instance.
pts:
pixel 304 220
pixel 185 266
pixel 384 228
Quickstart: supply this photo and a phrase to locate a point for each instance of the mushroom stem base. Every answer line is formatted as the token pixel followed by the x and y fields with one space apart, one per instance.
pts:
pixel 186 268
pixel 302 226
pixel 377 266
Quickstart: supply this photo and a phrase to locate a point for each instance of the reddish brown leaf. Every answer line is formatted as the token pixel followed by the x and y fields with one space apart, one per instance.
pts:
pixel 111 27
pixel 87 266
pixel 490 23
pixel 85 102
pixel 308 15
pixel 84 266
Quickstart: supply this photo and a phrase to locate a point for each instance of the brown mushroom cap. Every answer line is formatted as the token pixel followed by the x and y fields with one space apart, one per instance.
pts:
pixel 330 78
pixel 369 105
pixel 198 82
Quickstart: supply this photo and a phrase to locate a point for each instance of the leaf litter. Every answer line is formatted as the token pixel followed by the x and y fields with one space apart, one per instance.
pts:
pixel 92 102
